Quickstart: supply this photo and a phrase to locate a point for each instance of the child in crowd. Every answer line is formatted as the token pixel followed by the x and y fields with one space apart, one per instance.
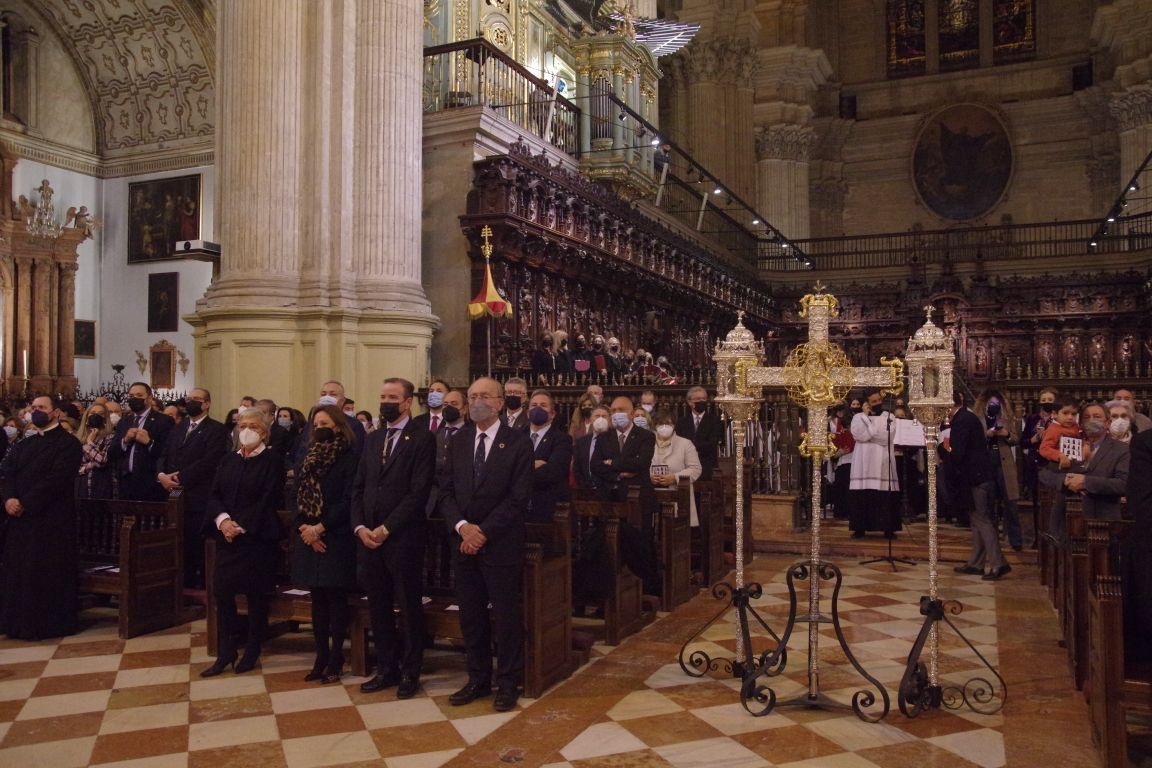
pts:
pixel 1065 424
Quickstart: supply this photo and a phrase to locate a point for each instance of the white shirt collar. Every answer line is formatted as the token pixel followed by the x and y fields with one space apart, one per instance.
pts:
pixel 541 432
pixel 398 425
pixel 491 432
pixel 259 450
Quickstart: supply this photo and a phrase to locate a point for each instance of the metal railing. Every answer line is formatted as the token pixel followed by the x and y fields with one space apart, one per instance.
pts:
pixel 475 72
pixel 998 243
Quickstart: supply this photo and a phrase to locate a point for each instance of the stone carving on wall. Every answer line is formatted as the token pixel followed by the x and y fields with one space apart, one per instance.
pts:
pixel 783 142
pixel 1132 108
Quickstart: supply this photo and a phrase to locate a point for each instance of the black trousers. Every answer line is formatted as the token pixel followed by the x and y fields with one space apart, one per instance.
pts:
pixel 394 579
pixel 479 583
pixel 229 626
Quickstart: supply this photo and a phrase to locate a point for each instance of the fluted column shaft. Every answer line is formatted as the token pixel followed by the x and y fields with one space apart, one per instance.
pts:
pixel 67 316
pixel 782 188
pixel 42 310
pixel 24 317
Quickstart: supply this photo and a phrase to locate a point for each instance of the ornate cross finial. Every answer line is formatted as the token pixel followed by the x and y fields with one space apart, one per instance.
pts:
pixel 486 233
pixel 739 317
pixel 819 287
pixel 928 312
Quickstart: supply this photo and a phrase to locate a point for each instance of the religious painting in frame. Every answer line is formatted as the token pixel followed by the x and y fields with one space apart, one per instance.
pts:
pixel 84 338
pixel 962 162
pixel 163 302
pixel 162 212
pixel 162 364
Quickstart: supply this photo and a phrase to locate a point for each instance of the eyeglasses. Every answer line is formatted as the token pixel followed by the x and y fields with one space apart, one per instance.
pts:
pixel 474 398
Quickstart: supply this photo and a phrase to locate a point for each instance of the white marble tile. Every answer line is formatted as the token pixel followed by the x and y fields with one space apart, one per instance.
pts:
pixel 322 697
pixel 852 733
pixel 134 678
pixel 386 714
pixel 158 643
pixel 329 749
pixel 14 690
pixel 733 719
pixel 643 704
pixel 229 733
pixel 174 760
pixel 671 674
pixel 64 704
pixel 472 729
pixel 425 759
pixel 221 687
pixel 28 653
pixel 142 718
pixel 71 753
pixel 985 747
pixel 601 739
pixel 842 760
pixel 711 753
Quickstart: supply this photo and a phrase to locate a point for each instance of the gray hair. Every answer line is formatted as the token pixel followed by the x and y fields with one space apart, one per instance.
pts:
pixel 256 414
pixel 1125 404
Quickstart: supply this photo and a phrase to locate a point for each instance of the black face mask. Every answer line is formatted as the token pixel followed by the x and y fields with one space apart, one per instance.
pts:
pixel 389 412
pixel 95 421
pixel 700 407
pixel 1048 407
pixel 194 408
pixel 137 405
pixel 512 402
pixel 324 434
pixel 585 413
pixel 992 409
pixel 451 414
pixel 876 410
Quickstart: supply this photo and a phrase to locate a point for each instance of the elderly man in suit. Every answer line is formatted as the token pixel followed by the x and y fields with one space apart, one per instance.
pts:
pixel 585 448
pixel 515 398
pixel 1102 477
pixel 703 427
pixel 623 457
pixel 551 458
pixel 485 491
pixel 389 497
pixel 138 446
pixel 189 465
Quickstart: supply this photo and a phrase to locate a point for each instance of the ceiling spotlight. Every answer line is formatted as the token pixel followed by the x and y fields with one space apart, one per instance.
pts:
pixel 655 141
pixel 1134 186
pixel 1111 217
pixel 623 116
pixel 755 221
pixel 1092 244
pixel 718 190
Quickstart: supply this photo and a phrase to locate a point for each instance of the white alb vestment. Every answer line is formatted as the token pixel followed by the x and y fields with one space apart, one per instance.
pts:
pixel 873 461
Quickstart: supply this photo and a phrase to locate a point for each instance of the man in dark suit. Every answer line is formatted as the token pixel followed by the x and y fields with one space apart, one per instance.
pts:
pixel 1102 478
pixel 704 428
pixel 189 464
pixel 139 443
pixel 623 457
pixel 433 418
pixel 551 458
pixel 585 447
pixel 484 494
pixel 1136 551
pixel 515 414
pixel 972 465
pixel 389 497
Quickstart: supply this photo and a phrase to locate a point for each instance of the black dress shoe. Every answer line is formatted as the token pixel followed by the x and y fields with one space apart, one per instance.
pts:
pixel 221 664
pixel 380 682
pixel 505 700
pixel 409 685
pixel 469 693
pixel 972 570
pixel 996 574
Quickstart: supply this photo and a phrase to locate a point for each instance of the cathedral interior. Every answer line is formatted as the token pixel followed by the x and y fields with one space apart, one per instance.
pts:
pixel 256 196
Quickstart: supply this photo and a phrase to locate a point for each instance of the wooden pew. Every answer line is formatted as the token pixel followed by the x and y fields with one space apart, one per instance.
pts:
pixel 674 545
pixel 134 551
pixel 1046 548
pixel 1072 588
pixel 708 539
pixel 725 475
pixel 1117 687
pixel 623 606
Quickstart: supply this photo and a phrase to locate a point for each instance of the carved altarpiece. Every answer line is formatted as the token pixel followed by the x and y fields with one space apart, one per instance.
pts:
pixel 38 284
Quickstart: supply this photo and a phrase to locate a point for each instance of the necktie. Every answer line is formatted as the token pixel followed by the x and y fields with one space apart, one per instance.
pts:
pixel 592 450
pixel 390 442
pixel 191 429
pixel 535 440
pixel 478 462
pixel 132 450
pixel 623 439
pixel 435 423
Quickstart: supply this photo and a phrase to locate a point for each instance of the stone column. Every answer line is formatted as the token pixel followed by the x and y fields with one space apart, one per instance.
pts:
pixel 318 201
pixel 782 168
pixel 1132 110
pixel 23 317
pixel 41 356
pixel 65 366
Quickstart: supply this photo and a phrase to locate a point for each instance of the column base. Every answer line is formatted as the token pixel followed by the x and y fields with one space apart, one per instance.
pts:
pixel 286 353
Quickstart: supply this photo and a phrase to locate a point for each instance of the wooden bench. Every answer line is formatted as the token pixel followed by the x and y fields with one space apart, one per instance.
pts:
pixel 1117 686
pixel 674 545
pixel 708 538
pixel 725 475
pixel 134 551
pixel 624 614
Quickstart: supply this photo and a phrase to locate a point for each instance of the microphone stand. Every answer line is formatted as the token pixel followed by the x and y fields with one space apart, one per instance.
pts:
pixel 890 535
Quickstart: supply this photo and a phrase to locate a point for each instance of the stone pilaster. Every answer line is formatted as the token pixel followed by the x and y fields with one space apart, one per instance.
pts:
pixel 66 309
pixel 1132 110
pixel 42 309
pixel 782 167
pixel 24 317
pixel 318 200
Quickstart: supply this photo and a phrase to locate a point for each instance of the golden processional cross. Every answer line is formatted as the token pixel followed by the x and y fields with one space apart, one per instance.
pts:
pixel 816 375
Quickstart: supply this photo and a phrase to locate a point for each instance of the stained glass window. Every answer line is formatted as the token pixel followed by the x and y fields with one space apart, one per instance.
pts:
pixel 959 34
pixel 1013 30
pixel 906 52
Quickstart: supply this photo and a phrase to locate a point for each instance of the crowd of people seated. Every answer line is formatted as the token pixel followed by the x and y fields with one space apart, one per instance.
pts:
pixel 360 489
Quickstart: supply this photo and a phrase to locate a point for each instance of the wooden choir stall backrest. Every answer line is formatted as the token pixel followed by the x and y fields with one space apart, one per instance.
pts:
pixel 134 551
pixel 596 521
pixel 708 544
pixel 672 530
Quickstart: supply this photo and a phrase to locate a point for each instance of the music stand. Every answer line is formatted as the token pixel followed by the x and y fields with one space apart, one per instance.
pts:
pixel 890 558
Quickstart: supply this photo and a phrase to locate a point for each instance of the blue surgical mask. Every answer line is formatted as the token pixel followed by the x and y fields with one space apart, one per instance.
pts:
pixel 620 420
pixel 327 400
pixel 640 421
pixel 435 399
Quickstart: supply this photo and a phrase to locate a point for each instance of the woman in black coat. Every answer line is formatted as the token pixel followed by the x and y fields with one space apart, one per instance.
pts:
pixel 323 554
pixel 248 491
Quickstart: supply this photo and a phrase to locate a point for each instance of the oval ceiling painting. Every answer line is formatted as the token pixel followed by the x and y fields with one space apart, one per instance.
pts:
pixel 962 162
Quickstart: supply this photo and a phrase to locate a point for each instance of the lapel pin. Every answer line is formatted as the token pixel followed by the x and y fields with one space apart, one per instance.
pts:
pixel 501 445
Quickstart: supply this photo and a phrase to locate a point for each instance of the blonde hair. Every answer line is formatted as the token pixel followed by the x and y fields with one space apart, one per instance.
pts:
pixel 103 432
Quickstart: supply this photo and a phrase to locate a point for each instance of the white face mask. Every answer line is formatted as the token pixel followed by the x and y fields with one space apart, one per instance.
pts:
pixel 600 425
pixel 31 431
pixel 249 437
pixel 1120 426
pixel 11 432
pixel 326 400
pixel 664 431
pixel 649 407
pixel 113 419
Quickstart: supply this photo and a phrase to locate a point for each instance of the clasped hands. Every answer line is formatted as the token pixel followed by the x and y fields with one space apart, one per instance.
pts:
pixel 139 435
pixel 170 481
pixel 13 507
pixel 231 530
pixel 1074 482
pixel 311 535
pixel 372 537
pixel 664 479
pixel 472 539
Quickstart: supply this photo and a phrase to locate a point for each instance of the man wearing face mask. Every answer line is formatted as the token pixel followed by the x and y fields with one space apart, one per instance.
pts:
pixel 189 464
pixel 874 483
pixel 389 500
pixel 141 437
pixel 623 457
pixel 1030 437
pixel 1000 429
pixel 515 394
pixel 1141 421
pixel 648 401
pixel 39 564
pixel 433 418
pixel 704 429
pixel 551 458
pixel 1101 478
pixel 585 448
pixel 545 361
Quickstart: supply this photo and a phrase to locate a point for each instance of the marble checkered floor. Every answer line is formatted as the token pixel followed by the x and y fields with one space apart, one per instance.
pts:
pixel 94 699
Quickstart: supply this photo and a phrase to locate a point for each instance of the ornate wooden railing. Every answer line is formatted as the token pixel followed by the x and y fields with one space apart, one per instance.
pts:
pixel 475 72
pixel 998 243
